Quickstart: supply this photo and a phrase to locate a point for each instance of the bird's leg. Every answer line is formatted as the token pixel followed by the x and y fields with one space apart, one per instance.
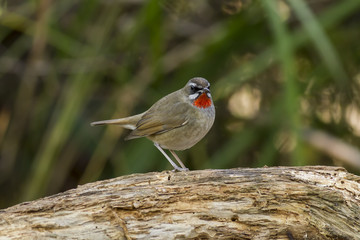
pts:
pixel 179 161
pixel 176 167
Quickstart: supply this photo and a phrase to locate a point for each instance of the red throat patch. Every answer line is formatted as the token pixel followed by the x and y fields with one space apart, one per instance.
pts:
pixel 203 101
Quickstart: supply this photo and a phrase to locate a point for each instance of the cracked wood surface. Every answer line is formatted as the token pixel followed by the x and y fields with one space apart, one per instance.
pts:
pixel 262 203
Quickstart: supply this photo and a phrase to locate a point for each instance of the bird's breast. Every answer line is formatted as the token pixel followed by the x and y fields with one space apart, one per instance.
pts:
pixel 199 123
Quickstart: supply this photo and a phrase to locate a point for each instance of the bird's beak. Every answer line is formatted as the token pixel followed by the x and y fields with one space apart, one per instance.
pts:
pixel 207 91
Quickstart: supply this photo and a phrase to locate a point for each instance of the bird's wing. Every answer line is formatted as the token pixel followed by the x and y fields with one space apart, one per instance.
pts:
pixel 161 118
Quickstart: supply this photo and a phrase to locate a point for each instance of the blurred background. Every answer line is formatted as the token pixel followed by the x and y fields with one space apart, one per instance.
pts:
pixel 285 80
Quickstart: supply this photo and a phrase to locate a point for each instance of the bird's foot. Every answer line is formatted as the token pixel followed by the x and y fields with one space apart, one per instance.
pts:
pixel 180 169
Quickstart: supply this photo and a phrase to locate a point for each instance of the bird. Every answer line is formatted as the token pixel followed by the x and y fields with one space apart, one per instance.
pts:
pixel 176 122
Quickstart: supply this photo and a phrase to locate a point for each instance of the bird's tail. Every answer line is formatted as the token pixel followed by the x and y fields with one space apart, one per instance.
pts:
pixel 128 122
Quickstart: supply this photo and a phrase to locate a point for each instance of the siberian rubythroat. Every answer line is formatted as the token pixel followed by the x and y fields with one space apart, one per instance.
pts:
pixel 176 122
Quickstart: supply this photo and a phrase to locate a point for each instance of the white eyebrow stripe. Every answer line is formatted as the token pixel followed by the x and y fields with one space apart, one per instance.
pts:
pixel 192 84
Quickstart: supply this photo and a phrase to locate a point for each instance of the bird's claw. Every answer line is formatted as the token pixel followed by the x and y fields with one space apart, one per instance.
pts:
pixel 180 169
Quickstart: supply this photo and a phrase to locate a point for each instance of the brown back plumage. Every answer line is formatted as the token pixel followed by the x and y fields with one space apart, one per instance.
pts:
pixel 160 118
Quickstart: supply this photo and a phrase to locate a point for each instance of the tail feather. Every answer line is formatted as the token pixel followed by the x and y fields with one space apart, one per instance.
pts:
pixel 128 122
pixel 108 122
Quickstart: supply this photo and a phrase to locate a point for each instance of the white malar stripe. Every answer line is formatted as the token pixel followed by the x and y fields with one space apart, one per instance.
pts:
pixel 208 94
pixel 193 96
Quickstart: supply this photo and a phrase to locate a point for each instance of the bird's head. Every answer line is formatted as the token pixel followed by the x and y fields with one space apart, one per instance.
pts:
pixel 198 91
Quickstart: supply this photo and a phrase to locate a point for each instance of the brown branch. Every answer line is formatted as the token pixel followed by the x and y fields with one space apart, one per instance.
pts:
pixel 263 203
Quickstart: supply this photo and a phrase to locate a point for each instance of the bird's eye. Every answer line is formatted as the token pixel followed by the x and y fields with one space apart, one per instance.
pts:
pixel 194 89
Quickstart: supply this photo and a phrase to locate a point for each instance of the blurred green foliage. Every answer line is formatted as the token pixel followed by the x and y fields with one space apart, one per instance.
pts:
pixel 279 69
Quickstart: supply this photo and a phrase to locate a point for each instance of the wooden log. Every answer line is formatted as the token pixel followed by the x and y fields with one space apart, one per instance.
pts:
pixel 263 203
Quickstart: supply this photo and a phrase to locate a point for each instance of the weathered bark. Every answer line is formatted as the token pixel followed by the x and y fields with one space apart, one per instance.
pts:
pixel 262 203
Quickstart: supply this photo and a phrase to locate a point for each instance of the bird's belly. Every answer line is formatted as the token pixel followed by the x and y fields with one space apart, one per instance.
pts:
pixel 186 136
